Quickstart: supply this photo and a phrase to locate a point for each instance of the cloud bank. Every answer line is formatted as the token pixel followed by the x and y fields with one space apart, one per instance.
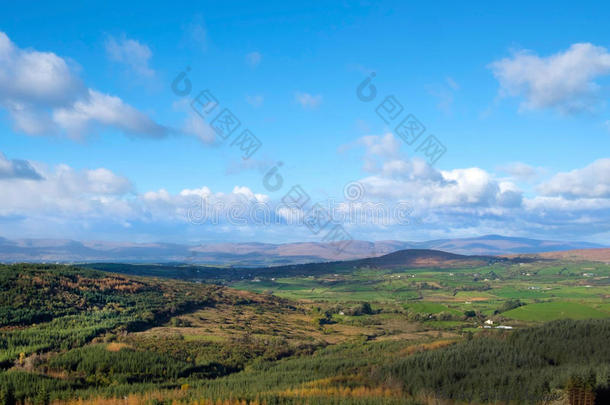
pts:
pixel 60 201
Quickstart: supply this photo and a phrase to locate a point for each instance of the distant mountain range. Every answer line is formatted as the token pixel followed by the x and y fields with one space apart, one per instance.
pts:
pixel 261 254
pixel 401 259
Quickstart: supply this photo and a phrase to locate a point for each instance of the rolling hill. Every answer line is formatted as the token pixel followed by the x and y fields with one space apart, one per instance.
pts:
pixel 414 258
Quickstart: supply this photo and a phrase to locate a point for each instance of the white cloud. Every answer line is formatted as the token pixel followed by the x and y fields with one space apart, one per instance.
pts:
pixel 245 191
pixel 470 188
pixel 65 192
pixel 565 80
pixel 395 178
pixel 307 100
pixel 386 146
pixel 382 156
pixel 592 181
pixel 103 181
pixel 29 76
pixel 377 149
pixel 202 192
pixel 253 59
pixel 73 198
pixel 574 204
pixel 552 205
pixel 105 111
pixel 44 96
pixel 131 53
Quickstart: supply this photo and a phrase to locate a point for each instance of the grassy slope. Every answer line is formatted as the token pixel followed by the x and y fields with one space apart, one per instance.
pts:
pixel 550 311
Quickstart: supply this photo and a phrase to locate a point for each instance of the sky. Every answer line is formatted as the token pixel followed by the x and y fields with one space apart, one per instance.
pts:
pixel 195 122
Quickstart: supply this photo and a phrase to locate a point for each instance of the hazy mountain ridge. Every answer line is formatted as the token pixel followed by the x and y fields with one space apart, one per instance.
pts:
pixel 260 254
pixel 596 255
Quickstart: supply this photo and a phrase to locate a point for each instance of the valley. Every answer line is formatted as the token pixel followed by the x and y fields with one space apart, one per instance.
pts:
pixel 350 332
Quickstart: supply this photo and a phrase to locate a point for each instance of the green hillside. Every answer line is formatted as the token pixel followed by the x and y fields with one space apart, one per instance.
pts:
pixel 549 311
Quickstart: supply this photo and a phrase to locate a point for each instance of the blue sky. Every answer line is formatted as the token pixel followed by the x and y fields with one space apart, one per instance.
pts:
pixel 96 145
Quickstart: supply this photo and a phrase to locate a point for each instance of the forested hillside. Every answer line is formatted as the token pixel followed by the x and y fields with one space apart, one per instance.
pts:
pixel 46 308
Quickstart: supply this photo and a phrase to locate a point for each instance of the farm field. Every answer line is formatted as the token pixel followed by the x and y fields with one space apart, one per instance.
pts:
pixel 515 294
pixel 549 311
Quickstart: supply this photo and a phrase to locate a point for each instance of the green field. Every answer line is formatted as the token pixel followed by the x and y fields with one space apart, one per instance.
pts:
pixel 545 290
pixel 430 308
pixel 550 311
